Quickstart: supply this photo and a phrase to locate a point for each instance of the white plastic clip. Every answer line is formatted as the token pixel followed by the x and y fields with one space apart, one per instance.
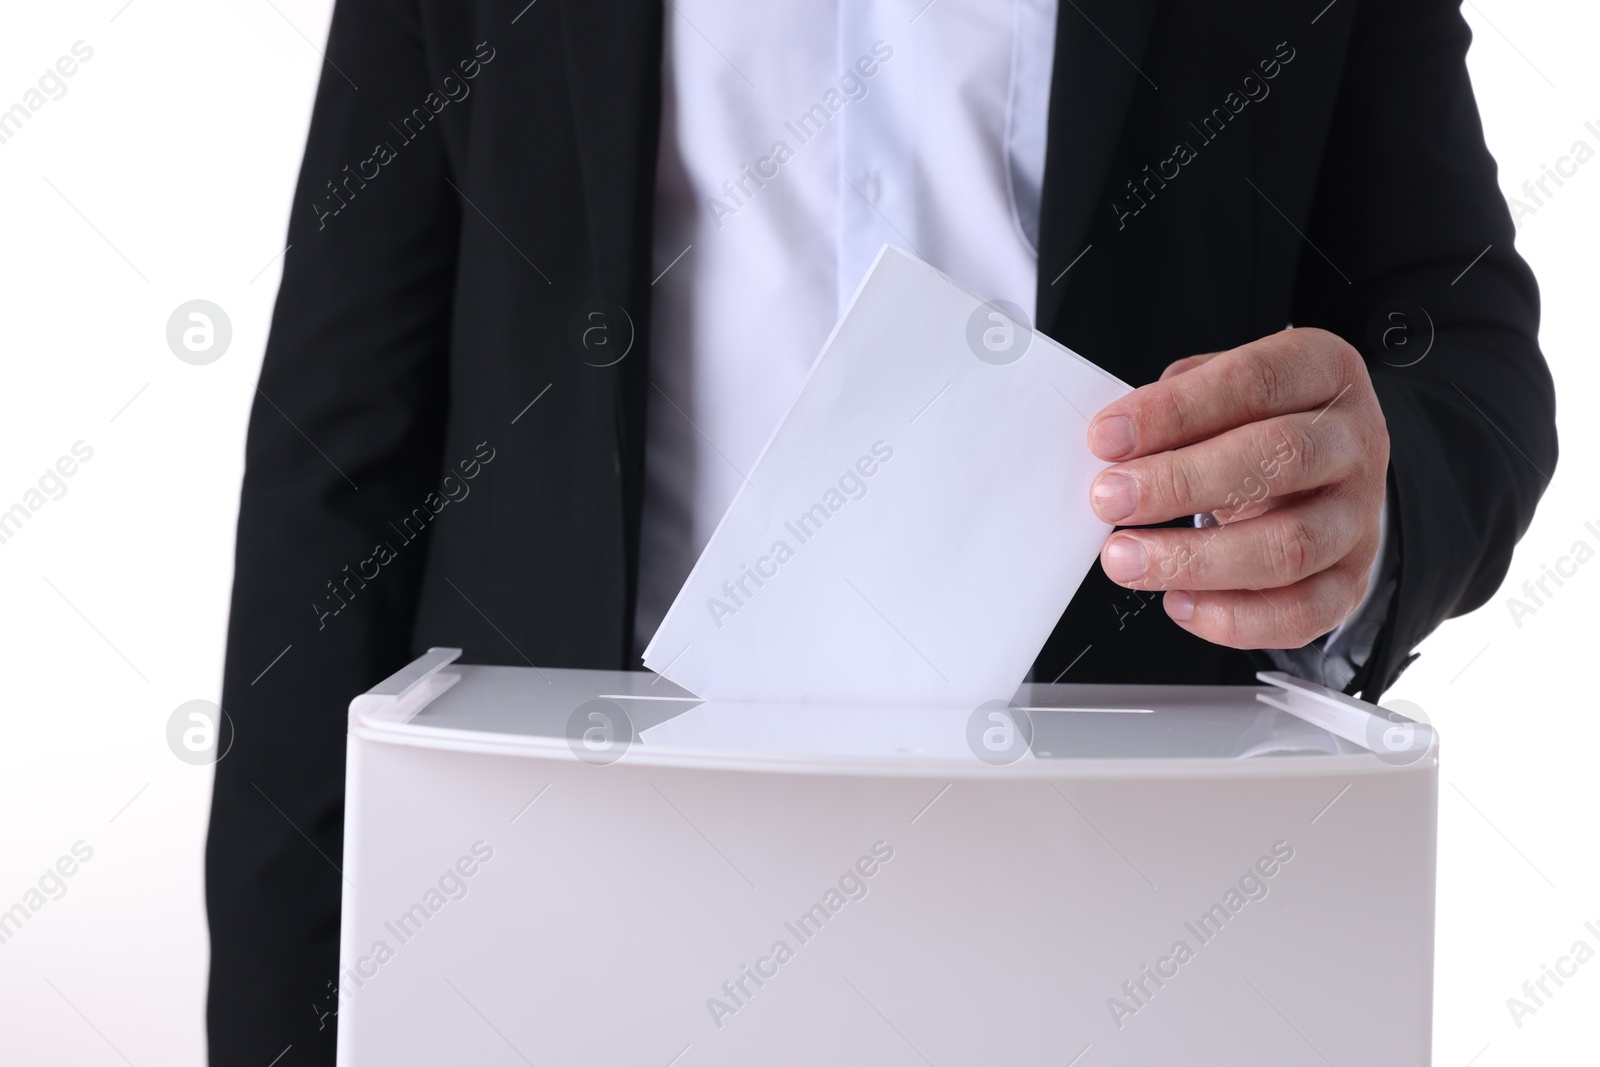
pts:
pixel 1390 736
pixel 407 691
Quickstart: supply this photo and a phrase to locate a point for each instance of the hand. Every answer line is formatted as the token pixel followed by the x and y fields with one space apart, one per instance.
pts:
pixel 1283 441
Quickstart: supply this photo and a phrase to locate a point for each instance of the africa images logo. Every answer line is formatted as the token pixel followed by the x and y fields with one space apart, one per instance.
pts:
pixel 1251 887
pixel 852 485
pixel 850 886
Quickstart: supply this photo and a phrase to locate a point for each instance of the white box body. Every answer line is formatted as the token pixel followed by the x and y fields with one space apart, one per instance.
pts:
pixel 1016 913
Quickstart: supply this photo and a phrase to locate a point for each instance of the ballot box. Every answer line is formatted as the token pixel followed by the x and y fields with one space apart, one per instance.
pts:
pixel 550 866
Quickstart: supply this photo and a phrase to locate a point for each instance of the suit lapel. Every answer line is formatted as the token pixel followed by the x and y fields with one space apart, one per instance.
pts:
pixel 613 58
pixel 613 61
pixel 1100 45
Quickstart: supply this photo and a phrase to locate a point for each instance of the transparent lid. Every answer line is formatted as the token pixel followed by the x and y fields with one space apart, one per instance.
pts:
pixel 604 716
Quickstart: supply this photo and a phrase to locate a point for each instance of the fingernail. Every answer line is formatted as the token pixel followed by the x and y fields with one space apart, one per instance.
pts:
pixel 1180 605
pixel 1113 497
pixel 1112 437
pixel 1124 560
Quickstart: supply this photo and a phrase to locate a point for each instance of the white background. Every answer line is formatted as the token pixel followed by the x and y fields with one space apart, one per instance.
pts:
pixel 164 175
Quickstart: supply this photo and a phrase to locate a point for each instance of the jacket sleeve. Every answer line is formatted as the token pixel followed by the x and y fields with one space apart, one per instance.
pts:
pixel 1420 273
pixel 344 437
pixel 345 432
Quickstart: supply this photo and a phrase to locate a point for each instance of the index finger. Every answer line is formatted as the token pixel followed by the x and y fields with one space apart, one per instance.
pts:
pixel 1288 372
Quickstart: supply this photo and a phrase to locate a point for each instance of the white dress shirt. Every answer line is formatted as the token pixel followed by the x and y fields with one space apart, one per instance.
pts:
pixel 796 140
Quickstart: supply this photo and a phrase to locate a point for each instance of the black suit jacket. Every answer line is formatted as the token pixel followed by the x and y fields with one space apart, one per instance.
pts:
pixel 477 180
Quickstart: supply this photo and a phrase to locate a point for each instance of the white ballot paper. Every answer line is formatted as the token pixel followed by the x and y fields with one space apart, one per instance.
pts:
pixel 917 523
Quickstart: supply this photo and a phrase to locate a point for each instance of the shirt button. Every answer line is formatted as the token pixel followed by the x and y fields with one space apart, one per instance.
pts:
pixel 871 187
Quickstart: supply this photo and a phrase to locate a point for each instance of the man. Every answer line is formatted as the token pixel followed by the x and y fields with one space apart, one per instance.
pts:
pixel 557 270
